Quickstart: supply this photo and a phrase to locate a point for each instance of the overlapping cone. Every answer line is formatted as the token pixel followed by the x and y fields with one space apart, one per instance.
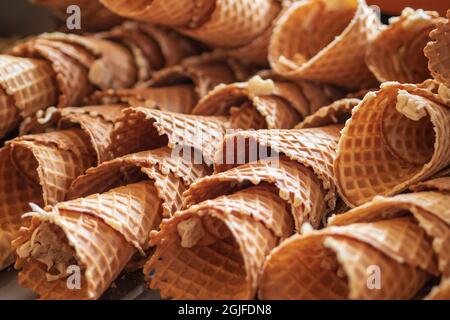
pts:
pixel 143 128
pixel 153 47
pixel 40 168
pixel 178 88
pixel 216 247
pixel 438 50
pixel 218 23
pixel 173 13
pixel 94 16
pixel 26 86
pixel 396 53
pixel 102 229
pixel 264 104
pixel 325 41
pixel 396 137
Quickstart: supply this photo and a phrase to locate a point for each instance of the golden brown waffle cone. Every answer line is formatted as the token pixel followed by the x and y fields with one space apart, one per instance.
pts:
pixel 296 185
pixel 26 85
pixel 174 13
pixel 428 208
pixel 337 112
pixel 313 148
pixel 103 231
pixel 438 51
pixel 382 151
pixel 235 23
pixel 328 45
pixel 39 169
pixel 337 262
pixel 94 16
pixel 280 104
pixel 153 47
pixel 396 54
pixel 215 250
pixel 96 121
pixel 171 173
pixel 177 98
pixel 71 76
pixel 204 72
pixel 143 129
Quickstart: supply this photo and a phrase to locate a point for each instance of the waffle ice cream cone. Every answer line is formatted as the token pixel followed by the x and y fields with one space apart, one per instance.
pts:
pixel 429 208
pixel 82 237
pixel 173 13
pixel 26 86
pixel 277 104
pixel 337 112
pixel 396 137
pixel 235 217
pixel 438 50
pixel 94 15
pixel 220 243
pixel 39 169
pixel 325 41
pixel 119 195
pixel 396 54
pixel 337 262
pixel 143 129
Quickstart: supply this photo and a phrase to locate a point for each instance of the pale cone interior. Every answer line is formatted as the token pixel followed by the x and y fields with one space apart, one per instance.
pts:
pixel 382 151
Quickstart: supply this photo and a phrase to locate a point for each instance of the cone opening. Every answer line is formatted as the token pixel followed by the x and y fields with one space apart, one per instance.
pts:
pixel 410 141
pixel 135 132
pixel 303 269
pixel 391 139
pixel 47 256
pixel 296 44
pixel 204 262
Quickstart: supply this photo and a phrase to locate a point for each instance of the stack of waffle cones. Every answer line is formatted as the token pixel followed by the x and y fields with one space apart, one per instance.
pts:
pixel 179 88
pixel 396 137
pixel 61 70
pixel 396 54
pixel 239 28
pixel 325 41
pixel 266 104
pixel 438 50
pixel 106 226
pixel 215 248
pixel 40 168
pixel 375 251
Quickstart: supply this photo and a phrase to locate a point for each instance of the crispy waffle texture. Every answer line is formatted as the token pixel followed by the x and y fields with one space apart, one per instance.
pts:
pixel 387 146
pixel 335 51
